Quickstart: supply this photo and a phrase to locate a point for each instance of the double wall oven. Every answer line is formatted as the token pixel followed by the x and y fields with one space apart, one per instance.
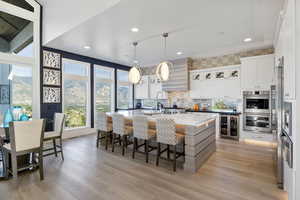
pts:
pixel 257 111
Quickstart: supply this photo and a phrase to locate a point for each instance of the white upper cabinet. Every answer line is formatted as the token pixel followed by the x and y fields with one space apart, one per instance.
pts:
pixel 155 87
pixel 216 82
pixel 149 88
pixel 142 88
pixel 257 73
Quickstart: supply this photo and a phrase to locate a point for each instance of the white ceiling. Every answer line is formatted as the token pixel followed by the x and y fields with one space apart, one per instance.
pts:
pixel 198 28
pixel 59 16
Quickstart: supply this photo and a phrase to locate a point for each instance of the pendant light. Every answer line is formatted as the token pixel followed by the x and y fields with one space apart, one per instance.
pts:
pixel 164 68
pixel 135 74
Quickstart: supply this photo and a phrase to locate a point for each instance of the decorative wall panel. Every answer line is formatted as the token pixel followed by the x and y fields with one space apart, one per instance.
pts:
pixel 51 95
pixel 51 59
pixel 51 77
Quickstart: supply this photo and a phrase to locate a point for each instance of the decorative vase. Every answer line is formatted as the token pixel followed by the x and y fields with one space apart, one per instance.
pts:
pixel 8 117
pixel 24 117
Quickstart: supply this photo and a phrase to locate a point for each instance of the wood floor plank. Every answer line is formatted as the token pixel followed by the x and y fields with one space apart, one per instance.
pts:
pixel 237 171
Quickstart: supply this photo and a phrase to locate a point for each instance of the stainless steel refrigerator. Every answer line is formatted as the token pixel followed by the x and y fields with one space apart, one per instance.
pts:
pixel 277 112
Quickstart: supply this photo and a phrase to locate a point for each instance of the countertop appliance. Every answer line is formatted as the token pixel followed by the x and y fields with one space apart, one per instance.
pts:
pixel 257 111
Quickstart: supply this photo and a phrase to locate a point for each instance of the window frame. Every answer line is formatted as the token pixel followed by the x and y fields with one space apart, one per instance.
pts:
pixel 87 78
pixel 34 62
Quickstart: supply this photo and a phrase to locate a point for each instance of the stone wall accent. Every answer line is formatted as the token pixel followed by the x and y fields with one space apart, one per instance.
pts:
pixel 225 60
pixel 217 61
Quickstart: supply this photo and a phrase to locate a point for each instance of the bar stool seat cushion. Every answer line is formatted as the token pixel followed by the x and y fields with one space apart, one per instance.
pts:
pixel 179 138
pixel 151 133
pixel 128 130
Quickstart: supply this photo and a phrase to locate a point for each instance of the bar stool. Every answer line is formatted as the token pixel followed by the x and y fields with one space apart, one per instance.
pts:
pixel 166 134
pixel 103 126
pixel 120 129
pixel 142 131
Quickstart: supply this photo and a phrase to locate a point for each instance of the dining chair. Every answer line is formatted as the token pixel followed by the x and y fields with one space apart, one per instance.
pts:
pixel 166 134
pixel 103 127
pixel 56 134
pixel 122 130
pixel 25 137
pixel 141 131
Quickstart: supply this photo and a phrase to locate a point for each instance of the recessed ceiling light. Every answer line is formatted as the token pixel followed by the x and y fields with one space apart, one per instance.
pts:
pixel 134 29
pixel 247 39
pixel 87 47
pixel 179 53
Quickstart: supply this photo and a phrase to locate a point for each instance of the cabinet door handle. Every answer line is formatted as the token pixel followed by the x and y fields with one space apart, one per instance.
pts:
pixel 287 94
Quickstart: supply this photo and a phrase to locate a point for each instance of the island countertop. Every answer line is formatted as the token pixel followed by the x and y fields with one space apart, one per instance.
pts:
pixel 182 120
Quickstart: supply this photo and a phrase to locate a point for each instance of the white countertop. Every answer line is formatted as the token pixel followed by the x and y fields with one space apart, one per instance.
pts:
pixel 190 119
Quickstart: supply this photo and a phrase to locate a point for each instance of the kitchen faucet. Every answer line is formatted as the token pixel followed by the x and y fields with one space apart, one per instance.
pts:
pixel 158 104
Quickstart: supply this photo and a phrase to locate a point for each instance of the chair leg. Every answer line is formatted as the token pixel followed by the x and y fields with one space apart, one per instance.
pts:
pixel 113 142
pixel 158 154
pixel 41 165
pixel 14 166
pixel 97 141
pixel 168 152
pixel 134 147
pixel 174 159
pixel 120 140
pixel 147 150
pixel 54 146
pixel 123 144
pixel 61 149
pixel 106 140
pixel 5 166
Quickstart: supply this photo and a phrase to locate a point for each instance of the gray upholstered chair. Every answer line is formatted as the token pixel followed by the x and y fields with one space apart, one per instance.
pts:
pixel 103 127
pixel 25 137
pixel 141 131
pixel 122 130
pixel 56 134
pixel 166 134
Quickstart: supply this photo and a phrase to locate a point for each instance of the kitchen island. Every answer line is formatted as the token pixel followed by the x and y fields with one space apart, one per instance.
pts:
pixel 199 130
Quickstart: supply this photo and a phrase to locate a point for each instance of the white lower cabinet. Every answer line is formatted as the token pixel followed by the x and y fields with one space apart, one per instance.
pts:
pixel 257 73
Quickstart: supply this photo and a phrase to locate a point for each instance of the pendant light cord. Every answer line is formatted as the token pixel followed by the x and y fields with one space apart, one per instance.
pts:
pixel 135 44
pixel 165 35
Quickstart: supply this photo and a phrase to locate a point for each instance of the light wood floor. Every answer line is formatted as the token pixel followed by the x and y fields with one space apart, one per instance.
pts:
pixel 235 171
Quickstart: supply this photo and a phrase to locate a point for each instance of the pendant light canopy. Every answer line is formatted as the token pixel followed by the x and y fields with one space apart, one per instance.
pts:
pixel 164 68
pixel 135 74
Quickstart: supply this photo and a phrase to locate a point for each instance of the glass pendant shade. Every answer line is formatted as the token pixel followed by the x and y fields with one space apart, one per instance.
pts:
pixel 163 70
pixel 135 75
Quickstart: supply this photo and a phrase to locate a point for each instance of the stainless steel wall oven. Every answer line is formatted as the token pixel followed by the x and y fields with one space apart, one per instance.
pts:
pixel 257 111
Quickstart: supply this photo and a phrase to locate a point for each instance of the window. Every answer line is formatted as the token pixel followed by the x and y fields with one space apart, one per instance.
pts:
pixel 124 91
pixel 21 86
pixel 104 89
pixel 20 56
pixel 76 93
